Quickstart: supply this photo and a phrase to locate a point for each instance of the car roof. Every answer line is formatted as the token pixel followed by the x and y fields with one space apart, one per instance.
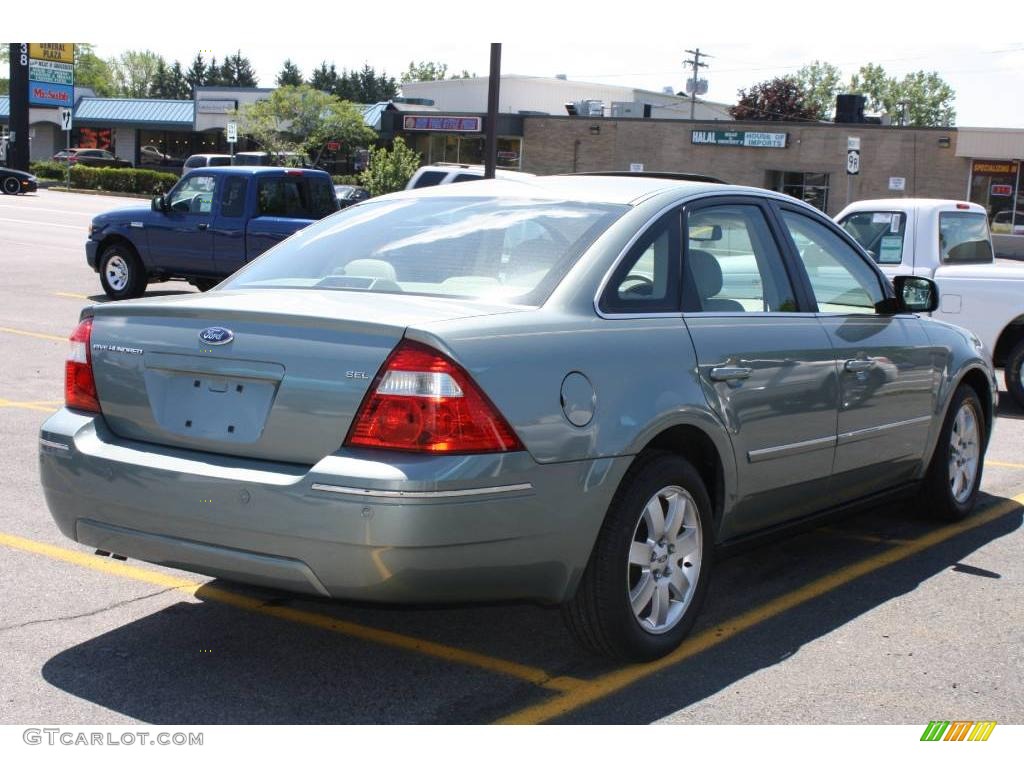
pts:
pixel 621 190
pixel 255 170
pixel 907 204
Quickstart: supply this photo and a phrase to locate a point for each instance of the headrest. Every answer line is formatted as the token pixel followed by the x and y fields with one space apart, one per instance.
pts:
pixel 707 273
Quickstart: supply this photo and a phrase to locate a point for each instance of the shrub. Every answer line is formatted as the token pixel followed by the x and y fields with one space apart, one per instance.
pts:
pixel 352 180
pixel 134 180
pixel 390 170
pixel 47 169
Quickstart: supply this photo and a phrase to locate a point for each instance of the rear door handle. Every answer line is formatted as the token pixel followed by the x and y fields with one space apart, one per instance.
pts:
pixel 860 364
pixel 202 226
pixel 730 373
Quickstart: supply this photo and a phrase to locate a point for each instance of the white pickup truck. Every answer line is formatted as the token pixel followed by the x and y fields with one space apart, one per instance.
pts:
pixel 949 241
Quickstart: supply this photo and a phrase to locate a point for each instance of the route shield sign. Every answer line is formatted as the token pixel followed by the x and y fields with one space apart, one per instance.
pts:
pixel 853 162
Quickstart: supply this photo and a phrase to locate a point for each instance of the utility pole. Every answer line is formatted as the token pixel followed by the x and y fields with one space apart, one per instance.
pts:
pixel 697 64
pixel 17 148
pixel 491 138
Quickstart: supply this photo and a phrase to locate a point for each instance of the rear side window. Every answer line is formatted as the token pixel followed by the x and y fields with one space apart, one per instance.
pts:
pixel 465 177
pixel 647 279
pixel 880 233
pixel 293 197
pixel 195 162
pixel 220 161
pixel 964 238
pixel 429 179
pixel 233 200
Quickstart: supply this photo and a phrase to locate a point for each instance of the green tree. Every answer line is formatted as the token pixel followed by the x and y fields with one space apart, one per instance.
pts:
pixel 160 87
pixel 196 74
pixel 134 72
pixel 179 86
pixel 425 70
pixel 324 78
pixel 302 119
pixel 93 72
pixel 778 99
pixel 389 170
pixel 290 74
pixel 821 83
pixel 214 73
pixel 237 71
pixel 872 81
pixel 919 99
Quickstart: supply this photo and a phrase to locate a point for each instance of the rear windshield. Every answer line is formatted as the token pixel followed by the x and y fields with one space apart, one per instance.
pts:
pixel 964 238
pixel 295 197
pixel 880 233
pixel 511 251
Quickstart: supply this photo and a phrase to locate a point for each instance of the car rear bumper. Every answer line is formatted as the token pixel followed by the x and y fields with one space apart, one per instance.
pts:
pixel 378 526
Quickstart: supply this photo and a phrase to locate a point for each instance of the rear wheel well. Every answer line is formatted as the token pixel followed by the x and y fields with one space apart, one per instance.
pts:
pixel 1008 339
pixel 694 445
pixel 977 381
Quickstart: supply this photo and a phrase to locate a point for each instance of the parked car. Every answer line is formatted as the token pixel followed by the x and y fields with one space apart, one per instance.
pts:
pixel 151 155
pixel 95 158
pixel 293 159
pixel 949 241
pixel 542 391
pixel 349 194
pixel 212 222
pixel 205 161
pixel 14 182
pixel 453 173
pixel 1003 223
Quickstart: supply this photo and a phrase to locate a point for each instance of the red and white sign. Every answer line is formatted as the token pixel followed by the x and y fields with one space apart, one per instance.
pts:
pixel 333 146
pixel 1002 190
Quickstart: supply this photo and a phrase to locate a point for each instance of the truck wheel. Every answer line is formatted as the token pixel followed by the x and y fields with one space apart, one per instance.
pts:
pixel 1013 372
pixel 11 185
pixel 121 272
pixel 951 486
pixel 650 567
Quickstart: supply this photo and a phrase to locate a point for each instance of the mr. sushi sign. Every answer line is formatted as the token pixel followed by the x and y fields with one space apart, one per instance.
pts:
pixel 51 74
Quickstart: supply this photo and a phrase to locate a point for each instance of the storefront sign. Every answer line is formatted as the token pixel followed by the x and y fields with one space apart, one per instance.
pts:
pixel 897 183
pixel 741 139
pixel 64 52
pixel 216 106
pixel 991 167
pixel 51 72
pixel 51 94
pixel 1001 190
pixel 443 123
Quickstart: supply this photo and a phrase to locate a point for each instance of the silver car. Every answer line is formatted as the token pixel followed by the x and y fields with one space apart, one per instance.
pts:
pixel 575 390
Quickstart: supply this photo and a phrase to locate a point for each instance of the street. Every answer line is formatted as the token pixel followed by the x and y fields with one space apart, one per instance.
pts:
pixel 882 618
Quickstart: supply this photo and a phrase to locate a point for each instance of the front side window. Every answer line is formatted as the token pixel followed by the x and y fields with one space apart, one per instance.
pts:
pixel 193 195
pixel 842 281
pixel 880 233
pixel 964 238
pixel 733 263
pixel 495 249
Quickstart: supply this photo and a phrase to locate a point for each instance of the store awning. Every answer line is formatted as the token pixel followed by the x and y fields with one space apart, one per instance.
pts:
pixel 990 143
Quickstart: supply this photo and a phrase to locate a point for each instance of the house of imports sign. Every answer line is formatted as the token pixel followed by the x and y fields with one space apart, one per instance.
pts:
pixel 443 123
pixel 51 74
pixel 741 139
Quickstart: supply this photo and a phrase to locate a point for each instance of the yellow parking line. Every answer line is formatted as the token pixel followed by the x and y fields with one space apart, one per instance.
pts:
pixel 202 591
pixel 67 295
pixel 991 463
pixel 47 336
pixel 46 406
pixel 605 685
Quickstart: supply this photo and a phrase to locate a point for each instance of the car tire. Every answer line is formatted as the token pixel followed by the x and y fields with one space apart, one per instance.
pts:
pixel 643 588
pixel 204 285
pixel 951 484
pixel 10 185
pixel 121 272
pixel 1013 373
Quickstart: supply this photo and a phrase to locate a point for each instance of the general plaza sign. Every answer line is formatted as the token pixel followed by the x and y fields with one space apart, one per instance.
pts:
pixel 757 139
pixel 442 123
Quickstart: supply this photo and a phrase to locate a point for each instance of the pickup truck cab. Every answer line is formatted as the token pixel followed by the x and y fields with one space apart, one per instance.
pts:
pixel 949 241
pixel 211 223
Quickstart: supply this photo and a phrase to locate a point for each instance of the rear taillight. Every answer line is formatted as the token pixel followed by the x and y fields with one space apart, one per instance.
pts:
pixel 423 401
pixel 79 385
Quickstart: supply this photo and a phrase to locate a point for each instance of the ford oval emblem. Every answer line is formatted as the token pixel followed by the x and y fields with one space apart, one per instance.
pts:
pixel 216 335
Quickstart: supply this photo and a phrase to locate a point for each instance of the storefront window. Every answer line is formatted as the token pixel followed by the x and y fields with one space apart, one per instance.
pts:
pixel 469 150
pixel 93 138
pixel 810 187
pixel 995 185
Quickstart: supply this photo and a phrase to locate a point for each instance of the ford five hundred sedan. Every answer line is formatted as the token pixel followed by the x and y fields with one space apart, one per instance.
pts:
pixel 570 389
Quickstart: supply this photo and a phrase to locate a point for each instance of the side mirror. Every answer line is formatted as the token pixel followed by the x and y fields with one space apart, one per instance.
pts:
pixel 159 204
pixel 916 294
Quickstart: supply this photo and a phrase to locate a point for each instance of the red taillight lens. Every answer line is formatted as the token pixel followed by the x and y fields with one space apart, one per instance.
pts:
pixel 79 385
pixel 422 401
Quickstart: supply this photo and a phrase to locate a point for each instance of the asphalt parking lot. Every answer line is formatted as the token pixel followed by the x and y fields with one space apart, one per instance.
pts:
pixel 882 618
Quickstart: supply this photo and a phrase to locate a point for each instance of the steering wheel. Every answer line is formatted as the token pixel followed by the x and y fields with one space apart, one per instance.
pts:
pixel 644 287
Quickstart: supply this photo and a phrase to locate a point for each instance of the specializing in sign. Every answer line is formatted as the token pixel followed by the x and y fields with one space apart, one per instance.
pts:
pixel 757 139
pixel 64 52
pixel 51 72
pixel 443 123
pixel 50 94
pixel 992 167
